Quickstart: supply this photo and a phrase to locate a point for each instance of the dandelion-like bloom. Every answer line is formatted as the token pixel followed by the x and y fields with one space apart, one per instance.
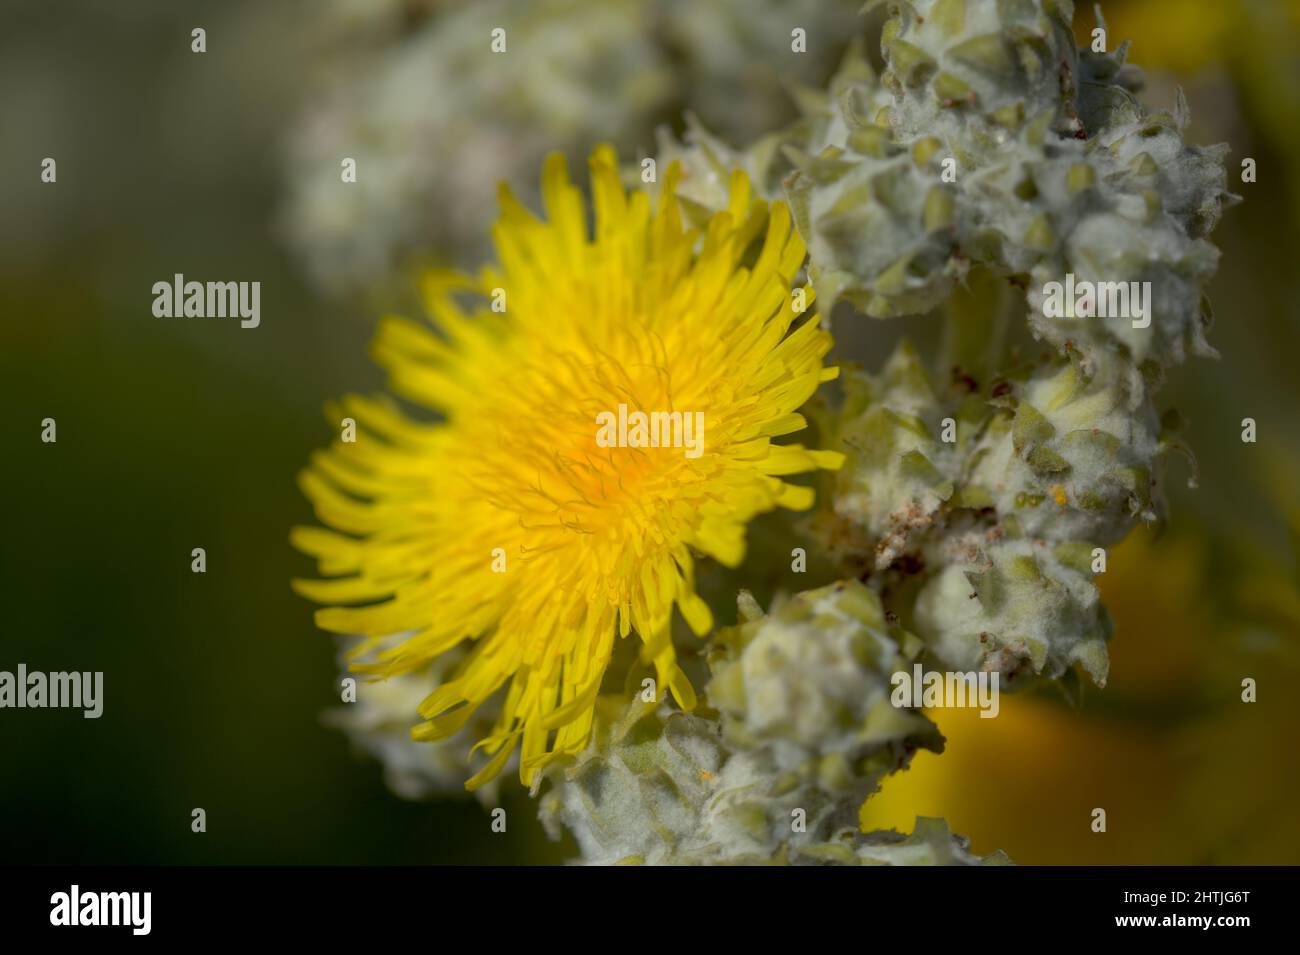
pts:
pixel 512 522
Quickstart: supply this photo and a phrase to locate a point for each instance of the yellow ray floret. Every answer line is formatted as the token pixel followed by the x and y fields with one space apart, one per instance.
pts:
pixel 514 522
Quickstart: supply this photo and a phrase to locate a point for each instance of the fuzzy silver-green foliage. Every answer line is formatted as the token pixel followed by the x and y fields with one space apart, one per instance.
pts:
pixel 799 730
pixel 898 475
pixel 1056 452
pixel 1002 521
pixel 1059 168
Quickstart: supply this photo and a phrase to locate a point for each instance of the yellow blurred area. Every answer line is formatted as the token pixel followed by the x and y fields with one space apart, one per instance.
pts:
pixel 1186 35
pixel 1185 771
pixel 1027 782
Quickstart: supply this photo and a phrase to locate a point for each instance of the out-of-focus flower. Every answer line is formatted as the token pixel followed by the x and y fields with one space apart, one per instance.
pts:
pixel 435 118
pixel 512 523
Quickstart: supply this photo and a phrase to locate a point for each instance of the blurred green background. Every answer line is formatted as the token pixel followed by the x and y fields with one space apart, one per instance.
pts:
pixel 175 434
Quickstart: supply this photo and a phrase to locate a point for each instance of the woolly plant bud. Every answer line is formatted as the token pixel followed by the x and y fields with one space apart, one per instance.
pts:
pixel 1070 456
pixel 707 164
pixel 970 70
pixel 899 470
pixel 1019 608
pixel 811 679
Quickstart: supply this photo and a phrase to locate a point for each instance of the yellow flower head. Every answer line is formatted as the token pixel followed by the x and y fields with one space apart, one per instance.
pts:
pixel 539 518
